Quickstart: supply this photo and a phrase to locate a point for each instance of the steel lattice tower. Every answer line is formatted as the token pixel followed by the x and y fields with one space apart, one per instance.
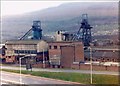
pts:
pixel 84 32
pixel 34 33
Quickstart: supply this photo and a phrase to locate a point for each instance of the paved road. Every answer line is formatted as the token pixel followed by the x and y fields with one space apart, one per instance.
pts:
pixel 14 78
pixel 65 70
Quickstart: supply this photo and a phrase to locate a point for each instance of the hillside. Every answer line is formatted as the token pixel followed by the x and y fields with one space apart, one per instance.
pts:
pixel 102 16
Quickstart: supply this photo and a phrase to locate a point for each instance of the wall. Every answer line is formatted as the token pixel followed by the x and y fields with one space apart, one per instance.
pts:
pixel 67 56
pixel 95 67
pixel 55 52
pixel 79 53
pixel 10 59
pixel 42 46
pixel 41 65
pixel 68 52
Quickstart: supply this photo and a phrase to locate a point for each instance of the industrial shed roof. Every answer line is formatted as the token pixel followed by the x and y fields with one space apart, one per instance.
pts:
pixel 23 41
pixel 100 54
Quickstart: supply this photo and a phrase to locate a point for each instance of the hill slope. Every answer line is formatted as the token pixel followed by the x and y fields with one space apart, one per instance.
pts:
pixel 103 16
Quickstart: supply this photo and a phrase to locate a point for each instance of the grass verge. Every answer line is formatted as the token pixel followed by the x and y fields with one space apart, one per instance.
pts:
pixel 74 77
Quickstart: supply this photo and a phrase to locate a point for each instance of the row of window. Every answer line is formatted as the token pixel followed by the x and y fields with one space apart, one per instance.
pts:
pixel 25 46
pixel 54 47
pixel 26 51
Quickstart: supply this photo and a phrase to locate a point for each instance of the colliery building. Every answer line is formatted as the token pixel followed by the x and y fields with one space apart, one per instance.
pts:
pixel 64 54
pixel 27 49
pixel 52 54
pixel 103 55
pixel 56 54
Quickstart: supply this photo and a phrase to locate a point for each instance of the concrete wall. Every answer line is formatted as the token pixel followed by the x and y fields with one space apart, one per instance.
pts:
pixel 36 45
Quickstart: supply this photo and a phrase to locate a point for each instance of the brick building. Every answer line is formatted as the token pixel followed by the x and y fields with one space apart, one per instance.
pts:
pixel 63 54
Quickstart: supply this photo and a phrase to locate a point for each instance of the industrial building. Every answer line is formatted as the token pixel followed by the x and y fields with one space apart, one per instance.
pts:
pixel 83 34
pixel 30 47
pixel 66 51
pixel 63 36
pixel 103 55
pixel 54 53
pixel 64 54
pixel 26 48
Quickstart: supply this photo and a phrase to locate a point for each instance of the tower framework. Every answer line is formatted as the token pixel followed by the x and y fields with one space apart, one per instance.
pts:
pixel 84 32
pixel 34 33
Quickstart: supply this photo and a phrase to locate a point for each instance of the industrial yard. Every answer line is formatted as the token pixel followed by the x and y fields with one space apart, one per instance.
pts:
pixel 63 55
pixel 41 52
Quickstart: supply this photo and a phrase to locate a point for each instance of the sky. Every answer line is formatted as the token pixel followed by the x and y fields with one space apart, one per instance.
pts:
pixel 20 7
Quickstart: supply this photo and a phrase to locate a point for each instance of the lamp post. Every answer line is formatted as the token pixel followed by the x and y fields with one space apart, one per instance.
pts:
pixel 90 65
pixel 43 59
pixel 20 68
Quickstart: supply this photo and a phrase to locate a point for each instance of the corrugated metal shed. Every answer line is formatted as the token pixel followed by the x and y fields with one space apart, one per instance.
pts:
pixel 23 41
pixel 100 54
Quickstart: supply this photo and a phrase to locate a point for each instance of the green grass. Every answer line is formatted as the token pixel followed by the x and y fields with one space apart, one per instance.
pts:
pixel 74 77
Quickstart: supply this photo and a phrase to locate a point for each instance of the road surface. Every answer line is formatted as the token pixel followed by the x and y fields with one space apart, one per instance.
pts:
pixel 14 78
pixel 64 70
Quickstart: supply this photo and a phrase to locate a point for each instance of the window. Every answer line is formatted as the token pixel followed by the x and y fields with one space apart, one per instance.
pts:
pixel 50 47
pixel 60 47
pixel 55 47
pixel 113 60
pixel 58 32
pixel 16 51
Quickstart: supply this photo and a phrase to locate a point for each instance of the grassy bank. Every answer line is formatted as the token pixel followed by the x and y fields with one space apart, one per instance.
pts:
pixel 74 77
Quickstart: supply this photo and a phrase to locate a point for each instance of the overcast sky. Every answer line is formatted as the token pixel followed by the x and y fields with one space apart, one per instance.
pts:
pixel 20 7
